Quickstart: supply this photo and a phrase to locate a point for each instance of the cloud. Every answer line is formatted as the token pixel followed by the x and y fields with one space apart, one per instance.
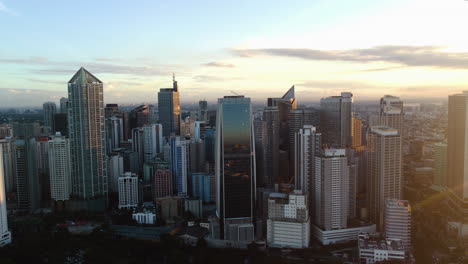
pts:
pixel 47 81
pixel 219 64
pixel 7 10
pixel 411 56
pixel 28 97
pixel 335 84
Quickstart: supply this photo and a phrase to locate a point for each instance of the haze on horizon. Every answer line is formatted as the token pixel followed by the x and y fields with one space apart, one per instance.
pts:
pixel 413 49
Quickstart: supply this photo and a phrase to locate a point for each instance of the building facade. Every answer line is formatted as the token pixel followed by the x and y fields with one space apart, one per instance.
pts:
pixel 169 109
pixel 5 235
pixel 398 221
pixel 128 190
pixel 335 119
pixel 59 168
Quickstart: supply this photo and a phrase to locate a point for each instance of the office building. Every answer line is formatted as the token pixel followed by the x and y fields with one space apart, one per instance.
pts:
pixel 59 167
pixel 169 109
pixel 49 110
pixel 8 157
pixel 61 123
pixel 195 207
pixel 169 208
pixel 331 194
pixel 203 110
pixel 373 248
pixel 336 121
pixel 6 130
pixel 139 117
pixel 440 164
pixel 261 143
pixel 384 170
pixel 235 168
pixel 201 186
pixel 297 120
pixel 180 165
pixel 392 113
pixel 63 105
pixel 267 147
pixel 398 221
pixel 5 235
pixel 111 110
pixel 128 190
pixel 288 223
pixel 307 146
pixel 114 132
pixel 27 180
pixel 153 141
pixel 87 137
pixel 115 169
pixel 197 158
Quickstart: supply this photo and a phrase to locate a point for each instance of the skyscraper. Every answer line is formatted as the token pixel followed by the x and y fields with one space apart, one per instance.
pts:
pixel 27 182
pixel 307 147
pixel 115 169
pixel 457 154
pixel 335 119
pixel 59 167
pixel 114 132
pixel 8 157
pixel 5 235
pixel 153 141
pixel 180 164
pixel 384 170
pixel 440 164
pixel 49 109
pixel 235 168
pixel 331 194
pixel 298 118
pixel 63 105
pixel 271 118
pixel 169 109
pixel 391 112
pixel 203 110
pixel 87 136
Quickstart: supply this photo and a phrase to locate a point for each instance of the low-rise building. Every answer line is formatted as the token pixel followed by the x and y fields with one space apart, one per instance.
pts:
pixel 145 215
pixel 374 248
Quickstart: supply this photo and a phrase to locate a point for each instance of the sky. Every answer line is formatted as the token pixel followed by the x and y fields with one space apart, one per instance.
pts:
pixel 409 48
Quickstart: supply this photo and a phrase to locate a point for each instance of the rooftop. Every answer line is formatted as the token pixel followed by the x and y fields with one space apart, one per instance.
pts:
pixel 377 241
pixel 384 130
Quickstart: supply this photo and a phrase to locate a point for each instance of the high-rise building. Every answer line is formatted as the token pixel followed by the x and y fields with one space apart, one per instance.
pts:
pixel 114 132
pixel 308 145
pixel 331 194
pixel 87 136
pixel 138 145
pixel 111 110
pixel 235 168
pixel 49 109
pixel 384 170
pixel 197 158
pixel 139 117
pixel 440 164
pixel 261 142
pixel 27 182
pixel 128 190
pixel 61 123
pixel 285 104
pixel 115 169
pixel 162 183
pixel 59 167
pixel 180 165
pixel 63 105
pixel 457 155
pixel 271 157
pixel 201 186
pixel 153 141
pixel 391 112
pixel 6 130
pixel 297 120
pixel 169 109
pixel 8 157
pixel 203 110
pixel 288 223
pixel 398 221
pixel 335 119
pixel 5 235
pixel 357 132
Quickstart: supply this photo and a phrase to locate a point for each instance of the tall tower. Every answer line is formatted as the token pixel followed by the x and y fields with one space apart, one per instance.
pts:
pixel 49 111
pixel 457 154
pixel 307 146
pixel 331 192
pixel 335 119
pixel 298 118
pixel 391 112
pixel 384 170
pixel 59 167
pixel 5 235
pixel 63 105
pixel 87 136
pixel 235 168
pixel 152 141
pixel 203 110
pixel 180 165
pixel 8 156
pixel 169 109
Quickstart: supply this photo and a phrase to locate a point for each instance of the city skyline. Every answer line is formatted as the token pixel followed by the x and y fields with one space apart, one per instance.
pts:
pixel 324 49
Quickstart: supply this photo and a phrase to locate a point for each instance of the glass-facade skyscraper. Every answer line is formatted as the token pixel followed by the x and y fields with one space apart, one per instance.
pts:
pixel 169 109
pixel 235 168
pixel 87 136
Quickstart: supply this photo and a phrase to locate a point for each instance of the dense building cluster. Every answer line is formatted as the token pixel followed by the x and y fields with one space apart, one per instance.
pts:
pixel 281 173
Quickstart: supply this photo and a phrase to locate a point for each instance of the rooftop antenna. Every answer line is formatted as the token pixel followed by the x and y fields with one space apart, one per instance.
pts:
pixel 235 93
